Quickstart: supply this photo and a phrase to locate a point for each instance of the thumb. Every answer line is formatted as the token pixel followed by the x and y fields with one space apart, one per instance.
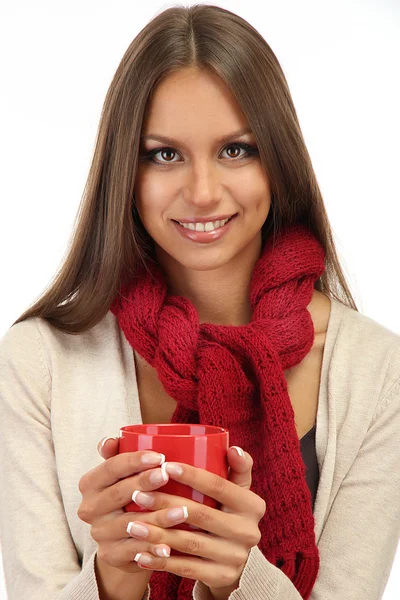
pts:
pixel 108 447
pixel 240 467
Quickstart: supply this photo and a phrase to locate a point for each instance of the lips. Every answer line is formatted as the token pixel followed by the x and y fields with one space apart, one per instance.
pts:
pixel 204 237
pixel 208 226
pixel 211 219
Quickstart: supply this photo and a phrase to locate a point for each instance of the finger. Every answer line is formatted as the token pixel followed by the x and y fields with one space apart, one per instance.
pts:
pixel 124 525
pixel 118 467
pixel 210 573
pixel 241 465
pixel 192 543
pixel 122 553
pixel 238 499
pixel 154 526
pixel 121 493
pixel 108 447
pixel 202 517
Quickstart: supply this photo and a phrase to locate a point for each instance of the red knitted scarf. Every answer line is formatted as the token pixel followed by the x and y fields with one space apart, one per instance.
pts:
pixel 233 377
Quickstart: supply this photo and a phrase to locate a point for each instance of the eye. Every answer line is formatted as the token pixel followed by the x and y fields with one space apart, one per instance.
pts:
pixel 240 146
pixel 150 156
pixel 163 152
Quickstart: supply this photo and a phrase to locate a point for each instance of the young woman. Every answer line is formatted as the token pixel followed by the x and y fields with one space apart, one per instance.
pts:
pixel 202 285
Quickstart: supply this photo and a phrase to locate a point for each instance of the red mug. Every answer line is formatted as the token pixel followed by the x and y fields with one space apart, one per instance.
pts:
pixel 203 446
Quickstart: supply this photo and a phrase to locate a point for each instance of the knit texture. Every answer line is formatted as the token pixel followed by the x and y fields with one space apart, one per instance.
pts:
pixel 233 377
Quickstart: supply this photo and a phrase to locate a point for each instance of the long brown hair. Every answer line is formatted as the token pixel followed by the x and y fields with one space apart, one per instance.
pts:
pixel 108 240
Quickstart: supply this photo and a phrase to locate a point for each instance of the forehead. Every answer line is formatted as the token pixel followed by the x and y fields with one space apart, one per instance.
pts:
pixel 193 102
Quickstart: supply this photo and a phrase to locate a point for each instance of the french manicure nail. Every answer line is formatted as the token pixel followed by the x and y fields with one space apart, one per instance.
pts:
pixel 143 499
pixel 163 552
pixel 105 440
pixel 137 529
pixel 178 513
pixel 158 476
pixel 238 450
pixel 172 468
pixel 144 560
pixel 152 458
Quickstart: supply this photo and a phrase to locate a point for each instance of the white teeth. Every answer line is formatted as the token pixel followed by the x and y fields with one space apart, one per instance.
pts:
pixel 209 226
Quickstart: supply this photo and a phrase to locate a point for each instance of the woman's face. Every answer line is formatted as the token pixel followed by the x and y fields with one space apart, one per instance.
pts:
pixel 197 180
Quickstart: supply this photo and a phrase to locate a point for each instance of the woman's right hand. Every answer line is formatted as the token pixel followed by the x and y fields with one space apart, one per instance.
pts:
pixel 105 490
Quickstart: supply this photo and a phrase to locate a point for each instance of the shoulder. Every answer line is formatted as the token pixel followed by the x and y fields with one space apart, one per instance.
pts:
pixel 363 329
pixel 20 341
pixel 364 350
pixel 35 339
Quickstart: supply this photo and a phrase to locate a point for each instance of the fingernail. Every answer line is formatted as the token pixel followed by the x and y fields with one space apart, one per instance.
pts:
pixel 144 560
pixel 164 552
pixel 172 468
pixel 152 458
pixel 137 529
pixel 178 513
pixel 143 499
pixel 105 440
pixel 238 450
pixel 158 476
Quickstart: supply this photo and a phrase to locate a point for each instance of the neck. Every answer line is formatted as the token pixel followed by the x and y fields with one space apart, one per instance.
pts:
pixel 221 296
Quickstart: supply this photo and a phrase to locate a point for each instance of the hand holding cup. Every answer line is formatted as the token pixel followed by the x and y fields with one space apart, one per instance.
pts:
pixel 218 552
pixel 106 490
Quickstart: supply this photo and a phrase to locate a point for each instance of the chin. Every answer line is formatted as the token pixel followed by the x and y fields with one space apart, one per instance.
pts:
pixel 203 259
pixel 205 263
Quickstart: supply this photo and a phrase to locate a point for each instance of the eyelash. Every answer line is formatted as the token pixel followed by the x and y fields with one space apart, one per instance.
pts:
pixel 250 151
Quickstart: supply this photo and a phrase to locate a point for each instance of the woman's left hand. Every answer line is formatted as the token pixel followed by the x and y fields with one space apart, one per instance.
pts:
pixel 219 556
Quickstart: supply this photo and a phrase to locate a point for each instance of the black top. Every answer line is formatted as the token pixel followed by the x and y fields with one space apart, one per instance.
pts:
pixel 308 452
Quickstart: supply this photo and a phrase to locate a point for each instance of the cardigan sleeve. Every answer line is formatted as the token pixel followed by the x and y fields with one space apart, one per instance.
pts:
pixel 359 540
pixel 40 559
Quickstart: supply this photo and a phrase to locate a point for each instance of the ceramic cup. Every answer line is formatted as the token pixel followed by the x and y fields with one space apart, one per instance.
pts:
pixel 203 446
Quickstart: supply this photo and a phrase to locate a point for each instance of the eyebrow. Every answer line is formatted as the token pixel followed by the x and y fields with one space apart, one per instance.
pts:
pixel 167 140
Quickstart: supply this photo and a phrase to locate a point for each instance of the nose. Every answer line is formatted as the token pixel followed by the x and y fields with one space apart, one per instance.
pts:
pixel 204 189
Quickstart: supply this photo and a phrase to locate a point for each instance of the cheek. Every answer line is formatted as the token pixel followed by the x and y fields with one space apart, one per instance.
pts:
pixel 151 199
pixel 264 205
pixel 255 193
pixel 151 208
pixel 264 199
pixel 258 204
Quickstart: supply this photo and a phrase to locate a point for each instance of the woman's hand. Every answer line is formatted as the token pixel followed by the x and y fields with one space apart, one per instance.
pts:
pixel 105 490
pixel 219 556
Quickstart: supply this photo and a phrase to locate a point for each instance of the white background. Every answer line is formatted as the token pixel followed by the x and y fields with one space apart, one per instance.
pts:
pixel 341 60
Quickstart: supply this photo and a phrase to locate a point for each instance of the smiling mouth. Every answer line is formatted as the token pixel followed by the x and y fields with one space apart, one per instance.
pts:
pixel 207 226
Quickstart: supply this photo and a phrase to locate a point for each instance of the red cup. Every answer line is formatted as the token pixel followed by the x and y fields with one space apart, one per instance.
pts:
pixel 203 446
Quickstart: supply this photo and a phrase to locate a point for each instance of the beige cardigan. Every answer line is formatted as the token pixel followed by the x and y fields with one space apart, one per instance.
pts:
pixel 60 394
